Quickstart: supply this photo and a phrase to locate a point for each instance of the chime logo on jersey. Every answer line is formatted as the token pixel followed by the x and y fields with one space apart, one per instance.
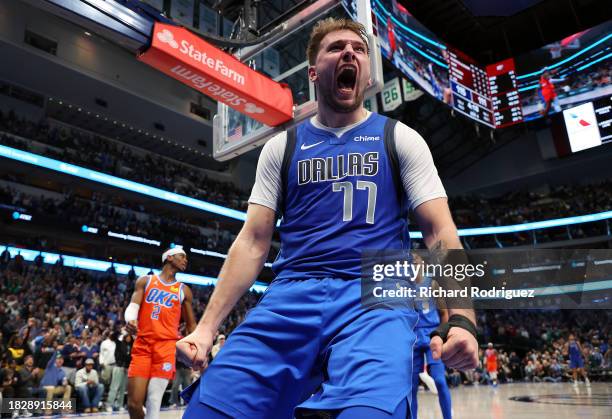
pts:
pixel 325 169
pixel 362 138
pixel 163 298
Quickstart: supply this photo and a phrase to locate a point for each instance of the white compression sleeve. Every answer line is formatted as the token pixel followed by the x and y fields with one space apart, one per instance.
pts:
pixel 155 394
pixel 131 312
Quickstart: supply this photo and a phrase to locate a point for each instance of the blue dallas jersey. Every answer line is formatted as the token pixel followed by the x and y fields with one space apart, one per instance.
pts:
pixel 426 307
pixel 574 351
pixel 341 196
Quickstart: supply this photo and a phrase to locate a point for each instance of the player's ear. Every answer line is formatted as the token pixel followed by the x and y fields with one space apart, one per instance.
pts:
pixel 369 82
pixel 312 73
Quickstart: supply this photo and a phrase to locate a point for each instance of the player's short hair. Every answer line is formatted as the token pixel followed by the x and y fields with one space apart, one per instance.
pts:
pixel 325 26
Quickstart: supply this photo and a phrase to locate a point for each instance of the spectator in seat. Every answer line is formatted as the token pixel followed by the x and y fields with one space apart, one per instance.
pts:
pixel 515 366
pixel 5 258
pixel 7 382
pixel 454 377
pixel 71 353
pixel 554 372
pixel 107 358
pixel 18 350
pixel 90 349
pixel 530 371
pixel 9 379
pixel 182 377
pixel 28 378
pixel 217 346
pixel 54 381
pixel 116 394
pixel 595 359
pixel 88 386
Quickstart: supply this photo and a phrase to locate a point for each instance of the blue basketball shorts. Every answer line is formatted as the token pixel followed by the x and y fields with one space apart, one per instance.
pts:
pixel 364 356
pixel 577 362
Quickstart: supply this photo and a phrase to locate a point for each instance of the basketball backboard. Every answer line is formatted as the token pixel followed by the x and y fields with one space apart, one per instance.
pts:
pixel 283 58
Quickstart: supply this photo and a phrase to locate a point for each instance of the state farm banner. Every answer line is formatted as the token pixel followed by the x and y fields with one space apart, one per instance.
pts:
pixel 189 59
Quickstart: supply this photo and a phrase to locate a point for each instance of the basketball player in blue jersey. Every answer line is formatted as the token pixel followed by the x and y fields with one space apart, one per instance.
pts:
pixel 576 364
pixel 342 182
pixel 430 317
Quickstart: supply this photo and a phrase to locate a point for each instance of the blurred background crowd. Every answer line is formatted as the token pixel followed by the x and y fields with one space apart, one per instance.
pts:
pixel 55 317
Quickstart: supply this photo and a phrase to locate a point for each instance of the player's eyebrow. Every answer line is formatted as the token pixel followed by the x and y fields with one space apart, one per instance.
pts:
pixel 342 42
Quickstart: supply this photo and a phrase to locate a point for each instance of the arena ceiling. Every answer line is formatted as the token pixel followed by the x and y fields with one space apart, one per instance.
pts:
pixel 492 30
pixel 487 30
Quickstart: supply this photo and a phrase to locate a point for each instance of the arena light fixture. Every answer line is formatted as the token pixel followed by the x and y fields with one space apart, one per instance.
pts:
pixel 605 57
pixel 120 268
pixel 74 170
pixel 118 182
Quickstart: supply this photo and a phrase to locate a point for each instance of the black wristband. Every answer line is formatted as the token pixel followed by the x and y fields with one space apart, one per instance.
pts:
pixel 456 320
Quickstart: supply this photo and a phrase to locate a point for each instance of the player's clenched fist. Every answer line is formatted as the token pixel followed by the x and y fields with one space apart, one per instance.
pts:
pixel 455 342
pixel 194 348
pixel 132 327
pixel 460 350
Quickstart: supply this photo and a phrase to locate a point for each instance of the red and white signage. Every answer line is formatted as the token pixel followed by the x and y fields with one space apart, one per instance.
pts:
pixel 189 59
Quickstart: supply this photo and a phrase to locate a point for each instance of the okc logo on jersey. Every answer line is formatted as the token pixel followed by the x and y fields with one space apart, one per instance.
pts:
pixel 163 298
pixel 326 169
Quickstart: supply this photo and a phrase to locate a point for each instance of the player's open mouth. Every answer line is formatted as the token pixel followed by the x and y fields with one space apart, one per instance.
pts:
pixel 346 80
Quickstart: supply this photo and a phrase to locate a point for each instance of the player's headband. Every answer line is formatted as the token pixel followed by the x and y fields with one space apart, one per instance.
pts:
pixel 172 252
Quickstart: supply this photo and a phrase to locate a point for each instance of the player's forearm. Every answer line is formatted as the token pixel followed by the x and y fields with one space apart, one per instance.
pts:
pixel 244 263
pixel 447 238
pixel 444 237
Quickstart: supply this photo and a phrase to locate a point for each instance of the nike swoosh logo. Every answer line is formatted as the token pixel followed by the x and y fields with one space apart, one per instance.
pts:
pixel 306 147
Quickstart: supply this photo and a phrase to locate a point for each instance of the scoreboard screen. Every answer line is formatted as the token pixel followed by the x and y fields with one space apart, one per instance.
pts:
pixel 497 94
pixel 603 116
pixel 506 103
pixel 501 83
pixel 488 95
pixel 470 88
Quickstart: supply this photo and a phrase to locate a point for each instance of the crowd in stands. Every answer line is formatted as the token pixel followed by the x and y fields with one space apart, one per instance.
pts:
pixel 532 345
pixel 97 153
pixel 522 207
pixel 111 213
pixel 57 325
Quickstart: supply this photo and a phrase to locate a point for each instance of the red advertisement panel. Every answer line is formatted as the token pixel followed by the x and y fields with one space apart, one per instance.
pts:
pixel 189 59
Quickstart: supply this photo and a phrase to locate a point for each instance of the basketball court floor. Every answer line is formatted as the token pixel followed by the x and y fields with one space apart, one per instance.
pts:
pixel 508 401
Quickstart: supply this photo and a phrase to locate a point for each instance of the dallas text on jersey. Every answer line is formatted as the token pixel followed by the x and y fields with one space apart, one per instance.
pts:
pixel 326 169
